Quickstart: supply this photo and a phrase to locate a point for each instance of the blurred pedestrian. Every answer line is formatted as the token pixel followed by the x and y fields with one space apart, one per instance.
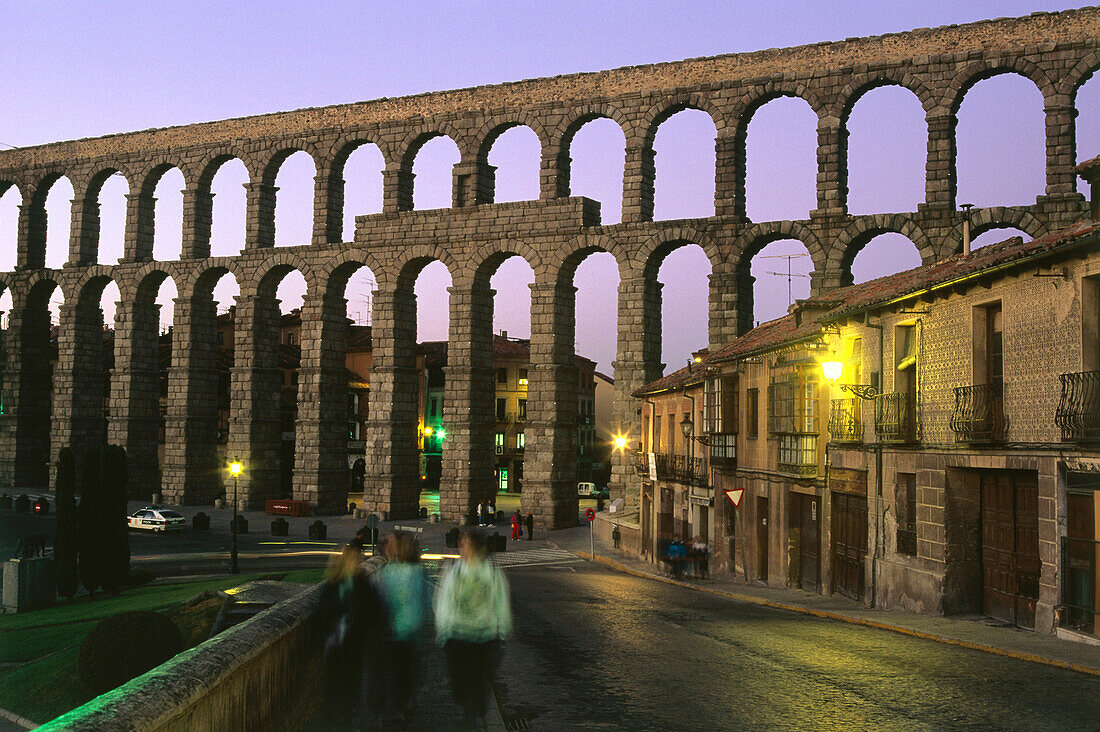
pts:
pixel 353 618
pixel 472 616
pixel 492 510
pixel 515 525
pixel 403 585
pixel 530 522
pixel 481 514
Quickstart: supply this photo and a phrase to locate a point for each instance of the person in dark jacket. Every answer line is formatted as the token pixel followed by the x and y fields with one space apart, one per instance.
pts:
pixel 530 522
pixel 352 618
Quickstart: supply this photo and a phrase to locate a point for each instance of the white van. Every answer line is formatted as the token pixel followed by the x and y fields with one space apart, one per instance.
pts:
pixel 586 489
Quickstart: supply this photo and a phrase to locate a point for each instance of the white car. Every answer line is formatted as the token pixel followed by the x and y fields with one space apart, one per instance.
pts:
pixel 155 519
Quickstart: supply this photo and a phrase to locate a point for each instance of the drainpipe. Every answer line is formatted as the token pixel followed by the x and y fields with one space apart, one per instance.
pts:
pixel 653 505
pixel 879 527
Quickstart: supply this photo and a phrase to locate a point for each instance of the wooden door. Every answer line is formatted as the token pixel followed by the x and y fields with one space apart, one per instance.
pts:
pixel 849 525
pixel 809 572
pixel 1010 546
pixel 762 539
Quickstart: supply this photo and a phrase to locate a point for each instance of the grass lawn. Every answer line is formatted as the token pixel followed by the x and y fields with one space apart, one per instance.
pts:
pixel 305 576
pixel 48 640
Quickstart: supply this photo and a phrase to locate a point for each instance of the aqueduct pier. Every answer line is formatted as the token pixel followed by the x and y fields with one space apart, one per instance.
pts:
pixel 1056 51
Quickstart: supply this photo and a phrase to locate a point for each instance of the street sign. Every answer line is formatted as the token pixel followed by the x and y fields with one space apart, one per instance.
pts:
pixel 372 522
pixel 590 514
pixel 735 494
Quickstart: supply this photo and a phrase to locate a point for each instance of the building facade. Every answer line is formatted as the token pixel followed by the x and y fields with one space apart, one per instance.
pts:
pixel 927 441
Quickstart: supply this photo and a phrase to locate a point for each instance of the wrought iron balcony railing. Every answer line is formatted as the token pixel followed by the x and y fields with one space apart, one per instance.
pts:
pixel 896 417
pixel 682 469
pixel 1079 408
pixel 979 414
pixel 723 449
pixel 846 420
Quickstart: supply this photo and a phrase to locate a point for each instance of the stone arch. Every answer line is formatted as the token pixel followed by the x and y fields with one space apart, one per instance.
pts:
pixel 415 140
pixel 653 251
pixel 582 115
pixel 86 196
pixel 489 132
pixel 204 277
pixel 958 87
pixel 203 172
pixel 575 251
pixel 484 263
pixel 852 240
pixel 279 155
pixel 761 94
pixel 35 257
pixel 982 220
pixel 414 259
pixel 43 280
pixel 759 236
pixel 150 177
pixel 89 287
pixel 860 85
pixel 144 286
pixel 1072 81
pixel 656 115
pixel 266 279
pixel 333 279
pixel 338 154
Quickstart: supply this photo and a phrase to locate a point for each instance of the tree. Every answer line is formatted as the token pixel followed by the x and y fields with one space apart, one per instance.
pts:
pixel 116 540
pixel 90 521
pixel 65 542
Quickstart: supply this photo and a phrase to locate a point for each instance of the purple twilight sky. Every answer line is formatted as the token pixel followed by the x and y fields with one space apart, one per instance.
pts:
pixel 86 69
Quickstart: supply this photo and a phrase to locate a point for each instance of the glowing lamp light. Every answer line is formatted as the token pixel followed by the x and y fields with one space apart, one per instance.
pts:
pixel 620 442
pixel 832 369
pixel 442 434
pixel 427 431
pixel 235 468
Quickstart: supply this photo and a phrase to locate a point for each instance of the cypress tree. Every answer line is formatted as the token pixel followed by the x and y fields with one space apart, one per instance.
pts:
pixel 90 521
pixel 65 540
pixel 116 540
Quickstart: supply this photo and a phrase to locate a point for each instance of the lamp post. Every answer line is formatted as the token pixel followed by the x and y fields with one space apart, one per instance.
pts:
pixel 235 468
pixel 687 427
pixel 832 371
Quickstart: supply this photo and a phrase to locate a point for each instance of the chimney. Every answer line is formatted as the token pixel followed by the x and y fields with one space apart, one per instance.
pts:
pixel 1090 171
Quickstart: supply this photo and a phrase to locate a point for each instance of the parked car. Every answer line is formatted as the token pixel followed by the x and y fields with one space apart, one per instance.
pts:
pixel 586 490
pixel 155 519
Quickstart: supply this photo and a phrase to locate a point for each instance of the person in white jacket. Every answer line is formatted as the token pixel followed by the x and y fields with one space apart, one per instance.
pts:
pixel 473 614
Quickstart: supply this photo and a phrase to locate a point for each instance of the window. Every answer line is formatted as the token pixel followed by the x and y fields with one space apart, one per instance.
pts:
pixel 498 440
pixel 752 412
pixel 657 433
pixel 434 409
pixel 502 376
pixel 905 506
pixel 792 404
pixel 221 338
pixel 519 441
pixel 502 405
pixel 720 405
pixel 522 410
pixel 522 377
pixel 290 339
pixel 798 454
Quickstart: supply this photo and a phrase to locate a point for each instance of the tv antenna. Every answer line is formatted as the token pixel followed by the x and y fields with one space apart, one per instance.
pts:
pixel 788 274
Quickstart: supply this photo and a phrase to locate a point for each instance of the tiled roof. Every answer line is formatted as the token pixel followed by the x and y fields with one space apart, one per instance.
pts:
pixel 847 300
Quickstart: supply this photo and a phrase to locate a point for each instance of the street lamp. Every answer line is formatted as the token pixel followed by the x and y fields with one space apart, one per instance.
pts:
pixel 832 371
pixel 620 443
pixel 235 468
pixel 686 427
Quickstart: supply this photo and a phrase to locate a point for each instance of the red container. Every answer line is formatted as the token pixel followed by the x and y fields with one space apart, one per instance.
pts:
pixel 287 508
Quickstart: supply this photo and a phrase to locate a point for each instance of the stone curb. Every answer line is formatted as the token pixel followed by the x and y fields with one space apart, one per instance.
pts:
pixel 16 719
pixel 1019 655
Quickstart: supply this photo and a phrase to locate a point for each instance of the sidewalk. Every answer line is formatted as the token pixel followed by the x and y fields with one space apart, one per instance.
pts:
pixel 975 632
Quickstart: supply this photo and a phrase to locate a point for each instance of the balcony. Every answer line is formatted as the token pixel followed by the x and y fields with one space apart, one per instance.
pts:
pixel 723 449
pixel 682 469
pixel 979 414
pixel 896 417
pixel 846 420
pixel 798 455
pixel 1079 408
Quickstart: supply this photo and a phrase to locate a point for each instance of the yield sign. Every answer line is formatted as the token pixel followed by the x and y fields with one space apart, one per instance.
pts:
pixel 734 494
